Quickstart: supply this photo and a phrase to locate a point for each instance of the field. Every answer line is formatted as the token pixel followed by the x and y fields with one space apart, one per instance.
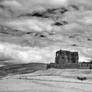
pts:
pixel 51 80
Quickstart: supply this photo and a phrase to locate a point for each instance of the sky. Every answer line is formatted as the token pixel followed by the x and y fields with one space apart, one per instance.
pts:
pixel 40 54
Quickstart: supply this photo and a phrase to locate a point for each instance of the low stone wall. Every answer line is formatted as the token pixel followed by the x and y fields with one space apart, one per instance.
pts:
pixel 85 66
pixel 67 66
pixel 70 66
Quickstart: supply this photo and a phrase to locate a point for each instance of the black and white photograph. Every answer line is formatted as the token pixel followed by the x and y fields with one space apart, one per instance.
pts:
pixel 45 45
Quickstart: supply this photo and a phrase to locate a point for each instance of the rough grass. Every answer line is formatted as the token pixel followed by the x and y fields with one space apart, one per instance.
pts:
pixel 21 68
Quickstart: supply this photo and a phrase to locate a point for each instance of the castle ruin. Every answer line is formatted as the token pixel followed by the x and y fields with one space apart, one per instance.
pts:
pixel 69 60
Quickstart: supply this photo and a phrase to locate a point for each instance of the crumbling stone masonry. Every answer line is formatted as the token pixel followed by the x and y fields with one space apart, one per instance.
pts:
pixel 68 60
pixel 66 57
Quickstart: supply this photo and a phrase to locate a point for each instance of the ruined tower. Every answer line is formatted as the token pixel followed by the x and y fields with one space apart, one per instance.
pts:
pixel 66 57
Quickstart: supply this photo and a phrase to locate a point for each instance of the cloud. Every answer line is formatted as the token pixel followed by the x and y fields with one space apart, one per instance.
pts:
pixel 26 54
pixel 58 2
pixel 30 24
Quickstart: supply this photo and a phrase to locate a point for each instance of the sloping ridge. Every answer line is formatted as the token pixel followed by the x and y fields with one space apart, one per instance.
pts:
pixel 21 68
